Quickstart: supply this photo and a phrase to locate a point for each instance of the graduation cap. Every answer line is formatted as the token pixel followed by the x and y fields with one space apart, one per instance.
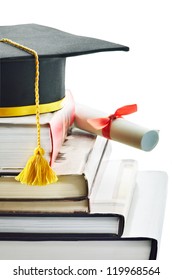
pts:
pixel 32 69
pixel 18 71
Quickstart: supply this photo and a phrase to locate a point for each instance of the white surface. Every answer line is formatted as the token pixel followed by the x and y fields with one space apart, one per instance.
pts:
pixel 111 80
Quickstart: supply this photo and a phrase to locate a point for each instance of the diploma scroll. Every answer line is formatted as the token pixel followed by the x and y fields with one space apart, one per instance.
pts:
pixel 121 130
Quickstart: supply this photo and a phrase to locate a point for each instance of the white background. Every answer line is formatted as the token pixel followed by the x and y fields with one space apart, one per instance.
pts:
pixel 107 81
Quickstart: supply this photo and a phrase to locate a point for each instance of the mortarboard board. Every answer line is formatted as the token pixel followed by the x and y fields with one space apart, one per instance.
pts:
pixel 30 51
pixel 17 69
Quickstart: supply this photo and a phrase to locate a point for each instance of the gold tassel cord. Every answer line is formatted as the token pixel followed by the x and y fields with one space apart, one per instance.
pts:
pixel 37 171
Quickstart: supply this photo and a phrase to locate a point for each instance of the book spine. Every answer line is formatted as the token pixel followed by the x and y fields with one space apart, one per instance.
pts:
pixel 60 124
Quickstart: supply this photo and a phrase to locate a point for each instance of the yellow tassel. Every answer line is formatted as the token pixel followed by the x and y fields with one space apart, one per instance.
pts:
pixel 37 171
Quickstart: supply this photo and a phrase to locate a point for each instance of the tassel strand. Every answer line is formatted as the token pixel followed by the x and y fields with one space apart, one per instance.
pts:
pixel 37 171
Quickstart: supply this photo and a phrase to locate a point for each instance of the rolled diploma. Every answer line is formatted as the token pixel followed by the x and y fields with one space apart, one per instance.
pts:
pixel 121 130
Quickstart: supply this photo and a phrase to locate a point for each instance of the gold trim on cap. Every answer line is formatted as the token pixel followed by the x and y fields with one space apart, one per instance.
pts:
pixel 31 109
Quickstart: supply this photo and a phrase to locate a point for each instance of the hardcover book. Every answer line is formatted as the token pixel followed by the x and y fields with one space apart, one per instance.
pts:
pixel 64 224
pixel 141 239
pixel 18 136
pixel 119 178
pixel 76 167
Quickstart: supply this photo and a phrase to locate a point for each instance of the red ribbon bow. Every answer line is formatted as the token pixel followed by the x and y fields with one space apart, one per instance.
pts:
pixel 105 123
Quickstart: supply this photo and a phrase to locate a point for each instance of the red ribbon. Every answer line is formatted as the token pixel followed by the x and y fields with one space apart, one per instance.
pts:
pixel 105 123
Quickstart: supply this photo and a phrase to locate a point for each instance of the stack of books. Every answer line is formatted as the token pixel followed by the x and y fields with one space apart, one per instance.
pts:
pixel 98 209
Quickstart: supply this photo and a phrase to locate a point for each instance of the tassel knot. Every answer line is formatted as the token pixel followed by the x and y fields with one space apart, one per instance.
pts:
pixel 39 151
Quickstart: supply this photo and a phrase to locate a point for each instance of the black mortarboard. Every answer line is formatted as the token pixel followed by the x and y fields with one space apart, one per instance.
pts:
pixel 17 70
pixel 26 88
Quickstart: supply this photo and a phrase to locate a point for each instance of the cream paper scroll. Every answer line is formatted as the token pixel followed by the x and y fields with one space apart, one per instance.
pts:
pixel 121 130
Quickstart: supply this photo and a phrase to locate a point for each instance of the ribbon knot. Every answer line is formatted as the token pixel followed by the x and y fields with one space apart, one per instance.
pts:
pixel 105 123
pixel 112 117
